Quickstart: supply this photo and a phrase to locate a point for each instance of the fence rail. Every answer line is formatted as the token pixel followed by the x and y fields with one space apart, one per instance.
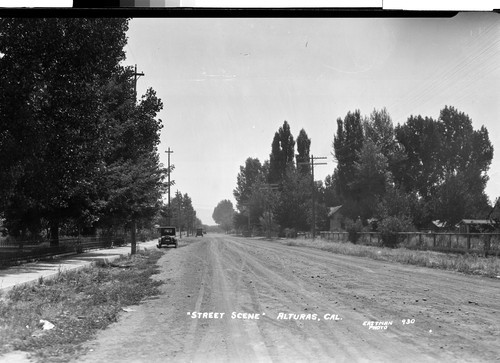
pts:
pixel 485 243
pixel 12 251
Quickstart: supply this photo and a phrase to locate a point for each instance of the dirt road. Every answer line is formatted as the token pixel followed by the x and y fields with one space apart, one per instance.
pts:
pixel 230 299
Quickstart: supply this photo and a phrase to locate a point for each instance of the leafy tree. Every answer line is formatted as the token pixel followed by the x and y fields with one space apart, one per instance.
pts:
pixel 293 209
pixel 53 72
pixel 189 214
pixel 326 197
pixel 81 149
pixel 466 158
pixel 380 130
pixel 223 214
pixel 133 180
pixel 329 191
pixel 268 224
pixel 421 139
pixel 183 213
pixel 371 178
pixel 347 144
pixel 447 165
pixel 249 174
pixel 282 154
pixel 241 221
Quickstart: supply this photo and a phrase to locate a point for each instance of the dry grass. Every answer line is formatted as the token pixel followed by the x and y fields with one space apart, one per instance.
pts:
pixel 468 264
pixel 78 303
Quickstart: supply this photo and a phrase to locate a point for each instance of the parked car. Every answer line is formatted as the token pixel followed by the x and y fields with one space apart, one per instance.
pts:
pixel 199 232
pixel 167 237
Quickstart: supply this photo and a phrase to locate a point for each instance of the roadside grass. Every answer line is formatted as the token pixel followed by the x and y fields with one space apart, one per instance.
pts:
pixel 77 303
pixel 467 264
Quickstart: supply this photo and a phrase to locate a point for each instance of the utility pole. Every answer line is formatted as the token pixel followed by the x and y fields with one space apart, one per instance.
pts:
pixel 179 217
pixel 136 76
pixel 169 212
pixel 314 192
pixel 133 227
pixel 312 164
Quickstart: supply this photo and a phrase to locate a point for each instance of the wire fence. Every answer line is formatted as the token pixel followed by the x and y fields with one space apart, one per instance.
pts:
pixel 483 243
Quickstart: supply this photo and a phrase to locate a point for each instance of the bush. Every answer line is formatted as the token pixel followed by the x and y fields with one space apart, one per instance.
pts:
pixel 290 233
pixel 353 228
pixel 389 229
pixel 119 241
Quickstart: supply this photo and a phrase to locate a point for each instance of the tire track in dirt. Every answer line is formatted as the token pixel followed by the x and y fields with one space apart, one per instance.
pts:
pixel 225 295
pixel 292 296
pixel 225 274
pixel 385 295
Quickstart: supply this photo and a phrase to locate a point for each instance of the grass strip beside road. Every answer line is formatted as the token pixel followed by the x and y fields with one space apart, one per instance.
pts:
pixel 467 264
pixel 78 304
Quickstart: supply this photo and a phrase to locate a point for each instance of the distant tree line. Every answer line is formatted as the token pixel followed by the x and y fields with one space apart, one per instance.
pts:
pixel 77 151
pixel 181 214
pixel 223 215
pixel 276 197
pixel 402 176
pixel 409 175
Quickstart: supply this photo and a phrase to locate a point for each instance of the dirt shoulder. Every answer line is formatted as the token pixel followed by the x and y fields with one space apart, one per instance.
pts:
pixel 239 300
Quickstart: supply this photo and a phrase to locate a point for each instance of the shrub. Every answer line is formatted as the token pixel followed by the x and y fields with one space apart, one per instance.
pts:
pixel 353 228
pixel 119 241
pixel 390 227
pixel 290 233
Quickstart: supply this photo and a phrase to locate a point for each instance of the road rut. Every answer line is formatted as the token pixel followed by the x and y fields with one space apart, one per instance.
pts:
pixel 270 302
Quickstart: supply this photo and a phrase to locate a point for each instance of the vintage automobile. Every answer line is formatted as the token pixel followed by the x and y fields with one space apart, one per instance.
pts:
pixel 199 232
pixel 167 237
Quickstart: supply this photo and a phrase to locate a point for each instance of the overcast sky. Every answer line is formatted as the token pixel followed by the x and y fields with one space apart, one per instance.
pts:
pixel 227 85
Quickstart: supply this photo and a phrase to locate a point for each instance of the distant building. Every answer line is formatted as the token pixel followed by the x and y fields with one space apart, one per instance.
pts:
pixel 494 214
pixel 335 218
pixel 434 226
pixel 373 223
pixel 476 226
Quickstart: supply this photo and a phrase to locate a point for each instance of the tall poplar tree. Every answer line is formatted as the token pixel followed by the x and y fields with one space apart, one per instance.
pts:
pixel 347 144
pixel 282 154
pixel 303 152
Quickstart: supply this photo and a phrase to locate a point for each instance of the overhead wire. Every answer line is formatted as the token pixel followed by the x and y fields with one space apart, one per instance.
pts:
pixel 443 78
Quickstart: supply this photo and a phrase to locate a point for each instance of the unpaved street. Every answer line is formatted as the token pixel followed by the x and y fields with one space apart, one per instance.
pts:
pixel 230 299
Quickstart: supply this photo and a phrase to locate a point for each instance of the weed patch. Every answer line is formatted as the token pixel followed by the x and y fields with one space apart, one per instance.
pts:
pixel 78 303
pixel 468 264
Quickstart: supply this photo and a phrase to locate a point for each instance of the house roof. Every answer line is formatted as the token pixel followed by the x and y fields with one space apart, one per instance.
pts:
pixel 439 223
pixel 476 221
pixel 334 210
